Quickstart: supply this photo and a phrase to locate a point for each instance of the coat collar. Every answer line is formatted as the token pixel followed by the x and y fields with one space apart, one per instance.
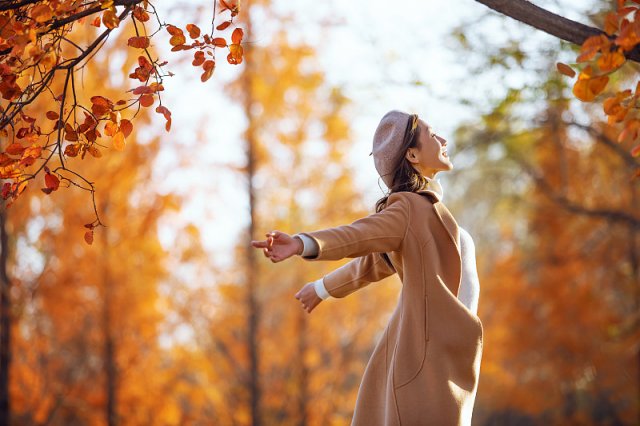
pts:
pixel 436 194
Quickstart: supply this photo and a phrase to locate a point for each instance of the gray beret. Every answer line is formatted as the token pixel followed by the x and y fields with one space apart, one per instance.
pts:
pixel 387 142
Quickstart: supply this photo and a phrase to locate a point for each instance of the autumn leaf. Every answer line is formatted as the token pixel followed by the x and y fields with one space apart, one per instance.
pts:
pixel 235 54
pixel 15 149
pixel 140 14
pixel 194 31
pixel 146 100
pixel 219 42
pixel 236 36
pixel 139 42
pixel 51 181
pixel 119 141
pixel 52 115
pixel 565 69
pixel 41 13
pixel 100 105
pixel 198 58
pixel 591 47
pixel 611 23
pixel 110 19
pixel 72 150
pixel 88 237
pixel 177 36
pixel 586 89
pixel 223 26
pixel 126 127
pixel 610 61
pixel 208 68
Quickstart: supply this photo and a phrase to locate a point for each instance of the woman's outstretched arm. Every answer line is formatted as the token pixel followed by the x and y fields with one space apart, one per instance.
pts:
pixel 377 233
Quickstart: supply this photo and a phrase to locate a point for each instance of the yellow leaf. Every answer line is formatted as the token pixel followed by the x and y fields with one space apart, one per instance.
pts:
pixel 119 141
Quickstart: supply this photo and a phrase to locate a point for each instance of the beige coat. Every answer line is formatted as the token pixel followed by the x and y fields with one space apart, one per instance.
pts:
pixel 424 370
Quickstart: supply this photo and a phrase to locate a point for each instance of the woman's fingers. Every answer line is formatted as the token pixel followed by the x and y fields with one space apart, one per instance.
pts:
pixel 259 244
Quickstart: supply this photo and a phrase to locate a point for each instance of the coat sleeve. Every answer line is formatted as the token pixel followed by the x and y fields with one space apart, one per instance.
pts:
pixel 357 274
pixel 377 233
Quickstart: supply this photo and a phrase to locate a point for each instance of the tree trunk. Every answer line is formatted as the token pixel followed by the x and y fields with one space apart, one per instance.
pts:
pixel 110 367
pixel 5 324
pixel 252 264
pixel 555 25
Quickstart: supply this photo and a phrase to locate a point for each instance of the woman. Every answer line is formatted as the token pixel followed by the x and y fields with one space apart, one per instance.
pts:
pixel 425 368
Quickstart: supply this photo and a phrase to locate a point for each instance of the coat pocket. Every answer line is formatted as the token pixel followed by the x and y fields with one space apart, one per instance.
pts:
pixel 411 344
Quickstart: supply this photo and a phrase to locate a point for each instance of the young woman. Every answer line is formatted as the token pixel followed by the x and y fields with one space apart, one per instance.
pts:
pixel 425 368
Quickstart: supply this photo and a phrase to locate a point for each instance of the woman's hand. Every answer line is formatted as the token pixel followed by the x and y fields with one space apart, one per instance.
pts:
pixel 308 297
pixel 279 246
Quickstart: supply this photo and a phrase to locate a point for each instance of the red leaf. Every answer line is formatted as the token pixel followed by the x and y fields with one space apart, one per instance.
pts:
pixel 126 127
pixel 139 42
pixel 51 181
pixel 52 115
pixel 146 100
pixel 88 237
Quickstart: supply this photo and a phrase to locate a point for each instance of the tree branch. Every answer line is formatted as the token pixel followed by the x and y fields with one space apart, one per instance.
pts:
pixel 573 207
pixel 603 139
pixel 555 25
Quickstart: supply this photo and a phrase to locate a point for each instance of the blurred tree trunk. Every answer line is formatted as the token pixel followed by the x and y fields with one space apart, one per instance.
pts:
pixel 253 303
pixel 5 323
pixel 110 368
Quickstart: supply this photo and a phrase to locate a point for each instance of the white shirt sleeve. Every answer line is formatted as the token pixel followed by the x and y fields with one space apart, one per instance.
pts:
pixel 320 289
pixel 310 248
pixel 469 292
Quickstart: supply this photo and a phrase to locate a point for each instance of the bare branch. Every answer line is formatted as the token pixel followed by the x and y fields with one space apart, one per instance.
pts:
pixel 573 207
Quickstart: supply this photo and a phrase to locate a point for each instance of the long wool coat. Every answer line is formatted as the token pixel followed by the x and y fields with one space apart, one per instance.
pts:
pixel 424 370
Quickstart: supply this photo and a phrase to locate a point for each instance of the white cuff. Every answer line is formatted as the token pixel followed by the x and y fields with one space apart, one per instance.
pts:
pixel 309 247
pixel 321 291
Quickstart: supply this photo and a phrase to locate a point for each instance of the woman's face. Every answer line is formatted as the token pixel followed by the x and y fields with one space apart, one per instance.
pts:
pixel 430 156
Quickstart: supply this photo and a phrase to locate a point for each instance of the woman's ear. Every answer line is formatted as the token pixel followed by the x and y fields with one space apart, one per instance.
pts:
pixel 410 155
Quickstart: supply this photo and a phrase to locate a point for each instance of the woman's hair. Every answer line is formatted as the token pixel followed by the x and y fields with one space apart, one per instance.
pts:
pixel 405 177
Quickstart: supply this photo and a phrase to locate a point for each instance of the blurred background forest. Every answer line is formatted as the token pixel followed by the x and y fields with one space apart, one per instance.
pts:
pixel 170 319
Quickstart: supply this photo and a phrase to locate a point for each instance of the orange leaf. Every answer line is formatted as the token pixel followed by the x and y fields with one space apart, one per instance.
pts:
pixel 140 14
pixel 94 151
pixel 119 141
pixel 194 31
pixel 591 47
pixel 88 237
pixel 110 128
pixel 610 61
pixel 208 68
pixel 139 42
pixel 198 58
pixel 586 89
pixel 146 100
pixel 565 69
pixel 100 105
pixel 72 150
pixel 15 149
pixel 611 23
pixel 223 26
pixel 126 127
pixel 41 13
pixel 110 19
pixel 236 36
pixel 219 42
pixel 235 54
pixel 635 152
pixel 96 22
